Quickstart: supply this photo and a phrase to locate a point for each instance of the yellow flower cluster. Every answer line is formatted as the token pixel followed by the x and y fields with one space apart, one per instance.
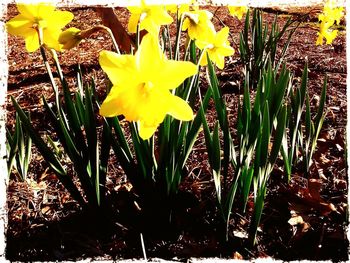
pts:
pixel 331 14
pixel 142 83
pixel 200 28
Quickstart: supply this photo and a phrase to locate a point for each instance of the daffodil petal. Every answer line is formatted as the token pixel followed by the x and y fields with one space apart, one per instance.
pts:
pixel 201 44
pixel 59 19
pixel 186 24
pixel 45 10
pixel 150 105
pixel 133 21
pixel 146 132
pixel 160 16
pixel 203 61
pixel 110 106
pixel 330 36
pixel 219 60
pixel 237 11
pixel 20 26
pixel 29 11
pixel 149 24
pixel 118 67
pixel 173 73
pixel 319 40
pixel 51 39
pixel 206 14
pixel 179 109
pixel 172 8
pixel 149 56
pixel 226 51
pixel 222 35
pixel 32 42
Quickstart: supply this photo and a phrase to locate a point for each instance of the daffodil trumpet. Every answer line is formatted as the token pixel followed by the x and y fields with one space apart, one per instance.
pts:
pixel 198 24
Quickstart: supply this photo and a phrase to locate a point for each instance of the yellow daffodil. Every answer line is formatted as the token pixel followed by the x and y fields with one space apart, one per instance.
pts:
pixel 178 9
pixel 326 33
pixel 70 38
pixel 198 24
pixel 238 11
pixel 142 85
pixel 182 8
pixel 149 17
pixel 217 47
pixel 35 18
pixel 331 14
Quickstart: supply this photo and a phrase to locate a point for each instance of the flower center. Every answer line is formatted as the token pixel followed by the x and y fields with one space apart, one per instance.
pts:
pixel 211 46
pixel 39 24
pixel 146 88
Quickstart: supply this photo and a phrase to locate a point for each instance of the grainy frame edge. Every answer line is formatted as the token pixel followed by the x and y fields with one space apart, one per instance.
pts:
pixel 62 3
pixel 3 163
pixel 348 114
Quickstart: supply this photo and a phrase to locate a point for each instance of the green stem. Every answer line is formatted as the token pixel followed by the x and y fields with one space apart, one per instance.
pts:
pixel 138 35
pixel 178 35
pixel 48 68
pixel 58 66
pixel 109 31
pixel 194 77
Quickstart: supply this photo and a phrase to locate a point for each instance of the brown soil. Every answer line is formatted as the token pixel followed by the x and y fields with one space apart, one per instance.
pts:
pixel 45 223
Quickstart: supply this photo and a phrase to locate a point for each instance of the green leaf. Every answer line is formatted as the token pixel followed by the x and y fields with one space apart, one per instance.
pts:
pixel 247 176
pixel 258 209
pixel 49 156
pixel 222 116
pixel 280 132
pixel 216 148
pixel 321 103
pixel 265 136
pixel 278 93
pixel 194 129
pixel 308 133
pixel 74 121
pixel 80 165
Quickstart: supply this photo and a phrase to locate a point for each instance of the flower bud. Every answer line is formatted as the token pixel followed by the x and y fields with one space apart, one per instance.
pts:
pixel 70 38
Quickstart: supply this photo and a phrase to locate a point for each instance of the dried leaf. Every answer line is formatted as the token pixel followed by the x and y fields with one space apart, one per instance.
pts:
pixel 296 220
pixel 238 256
pixel 126 187
pixel 340 184
pixel 315 188
pixel 240 234
pixel 45 209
